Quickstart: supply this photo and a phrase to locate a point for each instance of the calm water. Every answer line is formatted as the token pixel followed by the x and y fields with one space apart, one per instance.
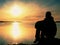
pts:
pixel 17 32
pixel 58 30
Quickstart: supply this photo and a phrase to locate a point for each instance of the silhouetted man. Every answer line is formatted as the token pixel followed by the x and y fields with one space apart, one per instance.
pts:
pixel 50 26
pixel 45 28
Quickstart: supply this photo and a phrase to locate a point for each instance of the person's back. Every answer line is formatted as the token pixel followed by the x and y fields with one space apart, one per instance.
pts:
pixel 47 27
pixel 50 26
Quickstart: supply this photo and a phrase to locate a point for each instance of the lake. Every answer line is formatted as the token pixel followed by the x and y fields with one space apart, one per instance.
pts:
pixel 16 32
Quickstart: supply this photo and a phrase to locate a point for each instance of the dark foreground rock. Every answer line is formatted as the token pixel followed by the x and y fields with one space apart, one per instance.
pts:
pixel 54 41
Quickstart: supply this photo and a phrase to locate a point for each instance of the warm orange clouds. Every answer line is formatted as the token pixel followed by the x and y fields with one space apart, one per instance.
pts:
pixel 56 17
pixel 29 9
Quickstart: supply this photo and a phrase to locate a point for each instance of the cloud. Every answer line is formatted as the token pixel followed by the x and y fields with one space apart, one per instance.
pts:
pixel 31 9
pixel 36 9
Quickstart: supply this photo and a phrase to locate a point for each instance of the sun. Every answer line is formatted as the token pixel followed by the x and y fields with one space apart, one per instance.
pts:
pixel 16 10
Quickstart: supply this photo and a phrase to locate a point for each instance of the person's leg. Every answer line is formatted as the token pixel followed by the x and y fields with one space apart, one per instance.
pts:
pixel 37 36
pixel 42 35
pixel 51 35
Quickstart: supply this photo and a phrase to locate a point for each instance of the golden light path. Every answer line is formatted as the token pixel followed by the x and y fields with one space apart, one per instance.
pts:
pixel 15 31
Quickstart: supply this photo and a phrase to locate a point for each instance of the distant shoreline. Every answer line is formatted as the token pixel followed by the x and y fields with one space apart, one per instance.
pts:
pixel 20 21
pixel 57 21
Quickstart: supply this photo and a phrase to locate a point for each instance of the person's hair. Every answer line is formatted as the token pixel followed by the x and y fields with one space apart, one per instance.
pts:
pixel 48 14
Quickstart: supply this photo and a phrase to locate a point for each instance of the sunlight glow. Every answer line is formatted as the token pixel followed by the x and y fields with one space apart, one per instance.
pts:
pixel 15 32
pixel 15 10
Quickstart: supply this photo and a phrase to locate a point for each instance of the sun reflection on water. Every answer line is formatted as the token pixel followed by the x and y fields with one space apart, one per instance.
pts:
pixel 15 30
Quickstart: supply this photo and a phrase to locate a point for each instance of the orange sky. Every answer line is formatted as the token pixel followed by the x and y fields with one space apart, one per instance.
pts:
pixel 30 9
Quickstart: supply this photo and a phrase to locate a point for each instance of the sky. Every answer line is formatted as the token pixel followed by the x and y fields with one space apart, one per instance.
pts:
pixel 38 5
pixel 29 12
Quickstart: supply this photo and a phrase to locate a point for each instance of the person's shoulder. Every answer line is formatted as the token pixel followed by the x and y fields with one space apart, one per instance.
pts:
pixel 39 22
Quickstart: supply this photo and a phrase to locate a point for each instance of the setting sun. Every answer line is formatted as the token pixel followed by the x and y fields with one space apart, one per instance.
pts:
pixel 15 10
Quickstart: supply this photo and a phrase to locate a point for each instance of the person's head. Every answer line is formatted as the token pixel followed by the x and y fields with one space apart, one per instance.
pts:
pixel 48 14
